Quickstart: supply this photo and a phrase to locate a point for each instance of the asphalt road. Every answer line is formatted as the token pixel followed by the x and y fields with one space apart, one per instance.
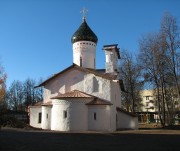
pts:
pixel 38 140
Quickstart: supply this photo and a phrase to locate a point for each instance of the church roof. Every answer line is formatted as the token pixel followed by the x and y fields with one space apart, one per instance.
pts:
pixel 73 94
pixel 47 103
pixel 39 104
pixel 98 101
pixel 80 94
pixel 87 70
pixel 84 33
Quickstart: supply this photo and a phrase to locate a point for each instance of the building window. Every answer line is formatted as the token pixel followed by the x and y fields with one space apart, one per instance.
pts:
pixel 147 97
pixel 94 63
pixel 39 117
pixel 94 115
pixel 81 61
pixel 65 114
pixel 47 116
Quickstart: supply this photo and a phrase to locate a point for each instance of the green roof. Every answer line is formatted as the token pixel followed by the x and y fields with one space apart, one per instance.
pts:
pixel 84 33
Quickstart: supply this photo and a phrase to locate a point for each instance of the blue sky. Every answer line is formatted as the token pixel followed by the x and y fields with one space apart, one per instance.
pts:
pixel 35 35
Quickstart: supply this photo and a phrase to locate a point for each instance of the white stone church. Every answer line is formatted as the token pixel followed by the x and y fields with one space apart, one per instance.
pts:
pixel 81 97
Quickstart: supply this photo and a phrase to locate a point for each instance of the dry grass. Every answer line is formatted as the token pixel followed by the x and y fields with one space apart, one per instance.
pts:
pixel 158 126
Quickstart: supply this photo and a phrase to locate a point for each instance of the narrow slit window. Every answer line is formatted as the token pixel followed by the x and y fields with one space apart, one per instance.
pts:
pixel 39 117
pixel 65 114
pixel 94 63
pixel 81 61
pixel 94 115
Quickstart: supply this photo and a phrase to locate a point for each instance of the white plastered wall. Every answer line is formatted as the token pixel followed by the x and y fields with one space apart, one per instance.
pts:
pixel 115 94
pixel 57 121
pixel 126 121
pixel 97 86
pixel 87 51
pixel 77 115
pixel 77 80
pixel 46 117
pixel 34 116
pixel 102 121
pixel 71 80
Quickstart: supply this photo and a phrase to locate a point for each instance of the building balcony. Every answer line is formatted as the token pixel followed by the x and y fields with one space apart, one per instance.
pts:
pixel 149 107
pixel 149 101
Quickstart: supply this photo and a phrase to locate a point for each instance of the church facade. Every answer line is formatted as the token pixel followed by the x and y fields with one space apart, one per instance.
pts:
pixel 81 97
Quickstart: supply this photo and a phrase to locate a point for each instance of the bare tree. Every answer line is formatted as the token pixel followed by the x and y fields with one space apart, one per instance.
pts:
pixel 39 91
pixel 16 96
pixel 29 94
pixel 170 31
pixel 131 73
pixel 151 59
pixel 32 94
pixel 171 41
pixel 159 58
pixel 22 94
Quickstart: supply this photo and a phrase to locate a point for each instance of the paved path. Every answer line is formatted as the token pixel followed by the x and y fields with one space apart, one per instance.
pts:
pixel 140 140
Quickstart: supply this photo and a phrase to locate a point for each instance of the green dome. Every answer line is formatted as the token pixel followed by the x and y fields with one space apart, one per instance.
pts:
pixel 84 33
